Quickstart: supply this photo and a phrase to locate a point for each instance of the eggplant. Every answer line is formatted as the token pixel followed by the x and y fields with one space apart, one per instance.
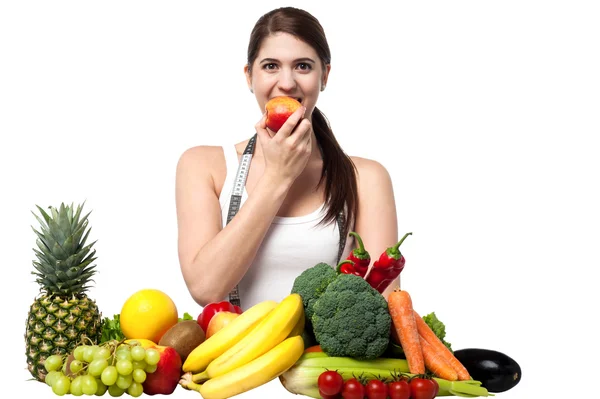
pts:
pixel 496 371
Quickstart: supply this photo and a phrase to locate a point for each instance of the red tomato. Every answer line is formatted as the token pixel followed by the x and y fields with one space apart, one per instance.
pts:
pixel 437 387
pixel 399 389
pixel 325 396
pixel 376 389
pixel 353 389
pixel 421 388
pixel 330 383
pixel 213 308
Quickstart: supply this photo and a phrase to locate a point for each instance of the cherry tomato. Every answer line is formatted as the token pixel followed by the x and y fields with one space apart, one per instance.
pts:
pixel 330 382
pixel 421 388
pixel 325 396
pixel 376 389
pixel 437 387
pixel 353 389
pixel 399 389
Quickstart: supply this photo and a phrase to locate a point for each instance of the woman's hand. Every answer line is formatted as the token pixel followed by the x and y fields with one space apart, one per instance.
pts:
pixel 286 152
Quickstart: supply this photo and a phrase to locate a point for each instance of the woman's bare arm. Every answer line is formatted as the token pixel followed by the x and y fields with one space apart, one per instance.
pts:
pixel 214 258
pixel 376 222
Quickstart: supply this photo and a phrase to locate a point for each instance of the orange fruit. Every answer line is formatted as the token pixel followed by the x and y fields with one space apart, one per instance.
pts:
pixel 147 314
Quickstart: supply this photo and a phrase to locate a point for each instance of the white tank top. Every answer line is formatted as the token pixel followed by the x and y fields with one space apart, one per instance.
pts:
pixel 291 245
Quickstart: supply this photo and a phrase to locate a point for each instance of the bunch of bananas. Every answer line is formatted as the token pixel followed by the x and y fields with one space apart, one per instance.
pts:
pixel 256 347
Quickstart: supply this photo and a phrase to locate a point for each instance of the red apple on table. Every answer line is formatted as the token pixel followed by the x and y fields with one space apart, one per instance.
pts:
pixel 165 379
pixel 218 321
pixel 279 110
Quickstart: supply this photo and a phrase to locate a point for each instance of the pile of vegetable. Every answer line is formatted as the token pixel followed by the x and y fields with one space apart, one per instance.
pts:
pixel 360 345
pixel 311 376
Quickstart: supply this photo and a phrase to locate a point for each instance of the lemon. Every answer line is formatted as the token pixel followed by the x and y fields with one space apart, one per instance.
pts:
pixel 148 314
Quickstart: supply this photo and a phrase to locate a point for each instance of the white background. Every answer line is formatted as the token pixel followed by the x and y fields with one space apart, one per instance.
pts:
pixel 483 112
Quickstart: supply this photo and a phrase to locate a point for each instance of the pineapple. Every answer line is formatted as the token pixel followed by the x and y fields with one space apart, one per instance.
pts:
pixel 62 316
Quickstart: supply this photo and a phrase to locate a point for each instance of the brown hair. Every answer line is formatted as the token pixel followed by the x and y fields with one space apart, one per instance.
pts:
pixel 339 173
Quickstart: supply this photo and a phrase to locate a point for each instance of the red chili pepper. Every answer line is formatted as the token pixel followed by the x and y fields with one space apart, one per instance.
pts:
pixel 213 308
pixel 359 256
pixel 347 267
pixel 388 267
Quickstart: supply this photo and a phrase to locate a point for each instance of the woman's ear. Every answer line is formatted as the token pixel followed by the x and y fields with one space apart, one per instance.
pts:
pixel 325 76
pixel 248 77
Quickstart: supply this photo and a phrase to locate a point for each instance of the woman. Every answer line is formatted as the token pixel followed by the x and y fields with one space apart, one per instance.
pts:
pixel 299 182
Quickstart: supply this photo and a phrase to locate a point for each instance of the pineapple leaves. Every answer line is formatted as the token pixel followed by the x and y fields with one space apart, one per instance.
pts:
pixel 42 242
pixel 43 257
pixel 76 217
pixel 64 260
pixel 78 233
pixel 44 214
pixel 58 251
pixel 44 275
pixel 84 239
pixel 64 223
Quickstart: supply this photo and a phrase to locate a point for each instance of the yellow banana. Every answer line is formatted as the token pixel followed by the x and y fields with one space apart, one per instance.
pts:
pixel 299 327
pixel 228 336
pixel 255 373
pixel 271 330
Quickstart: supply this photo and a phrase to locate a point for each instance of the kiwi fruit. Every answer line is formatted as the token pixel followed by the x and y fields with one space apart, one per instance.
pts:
pixel 184 337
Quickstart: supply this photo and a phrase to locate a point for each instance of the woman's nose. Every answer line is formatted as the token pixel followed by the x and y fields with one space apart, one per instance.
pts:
pixel 287 81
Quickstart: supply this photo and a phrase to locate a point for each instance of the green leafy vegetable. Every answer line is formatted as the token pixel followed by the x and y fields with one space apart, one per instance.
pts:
pixel 186 316
pixel 438 328
pixel 111 329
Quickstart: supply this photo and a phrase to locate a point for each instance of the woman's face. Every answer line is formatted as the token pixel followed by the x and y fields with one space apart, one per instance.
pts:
pixel 287 66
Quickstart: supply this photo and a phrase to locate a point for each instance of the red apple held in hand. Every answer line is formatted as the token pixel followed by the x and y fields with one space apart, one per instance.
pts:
pixel 219 321
pixel 165 379
pixel 279 110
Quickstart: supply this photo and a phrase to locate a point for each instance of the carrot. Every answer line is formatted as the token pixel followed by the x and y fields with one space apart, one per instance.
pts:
pixel 438 346
pixel 403 318
pixel 436 363
pixel 314 348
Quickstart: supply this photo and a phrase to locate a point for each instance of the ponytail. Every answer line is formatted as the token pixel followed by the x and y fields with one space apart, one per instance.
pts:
pixel 339 175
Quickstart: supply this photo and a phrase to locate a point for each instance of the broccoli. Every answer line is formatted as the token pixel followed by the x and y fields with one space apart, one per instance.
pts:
pixel 352 319
pixel 310 284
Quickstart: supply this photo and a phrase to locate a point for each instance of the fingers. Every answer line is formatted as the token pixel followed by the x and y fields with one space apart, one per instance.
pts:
pixel 294 136
pixel 288 127
pixel 261 128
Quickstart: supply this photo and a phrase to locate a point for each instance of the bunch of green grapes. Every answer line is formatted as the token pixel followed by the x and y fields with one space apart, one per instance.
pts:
pixel 113 366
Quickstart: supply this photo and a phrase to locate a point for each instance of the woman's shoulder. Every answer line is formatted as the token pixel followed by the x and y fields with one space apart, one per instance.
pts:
pixel 369 166
pixel 201 155
pixel 209 152
pixel 370 172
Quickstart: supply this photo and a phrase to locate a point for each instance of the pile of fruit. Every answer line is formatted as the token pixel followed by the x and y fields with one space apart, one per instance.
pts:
pixel 95 369
pixel 334 336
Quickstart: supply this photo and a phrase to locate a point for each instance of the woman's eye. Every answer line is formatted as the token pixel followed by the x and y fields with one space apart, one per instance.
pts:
pixel 269 66
pixel 304 66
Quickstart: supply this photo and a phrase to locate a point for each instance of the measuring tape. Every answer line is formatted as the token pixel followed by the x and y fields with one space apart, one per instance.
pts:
pixel 236 202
